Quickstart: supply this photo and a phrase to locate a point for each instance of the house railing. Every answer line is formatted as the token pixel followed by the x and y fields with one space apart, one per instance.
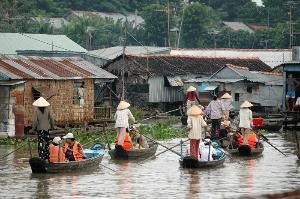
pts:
pixel 102 113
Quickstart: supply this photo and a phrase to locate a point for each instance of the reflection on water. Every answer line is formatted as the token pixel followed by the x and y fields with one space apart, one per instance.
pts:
pixel 160 177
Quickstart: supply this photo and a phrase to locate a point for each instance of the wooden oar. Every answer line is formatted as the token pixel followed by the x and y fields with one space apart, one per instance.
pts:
pixel 108 167
pixel 267 141
pixel 162 145
pixel 162 152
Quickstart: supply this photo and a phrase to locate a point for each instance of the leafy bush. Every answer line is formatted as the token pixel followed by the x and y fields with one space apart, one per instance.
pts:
pixel 137 113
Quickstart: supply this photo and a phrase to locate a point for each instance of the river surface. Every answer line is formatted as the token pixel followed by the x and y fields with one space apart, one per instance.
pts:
pixel 157 178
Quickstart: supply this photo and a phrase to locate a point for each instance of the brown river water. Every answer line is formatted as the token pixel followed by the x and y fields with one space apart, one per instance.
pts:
pixel 157 178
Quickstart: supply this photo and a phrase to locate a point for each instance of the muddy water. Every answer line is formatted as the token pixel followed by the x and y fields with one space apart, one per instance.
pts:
pixel 156 178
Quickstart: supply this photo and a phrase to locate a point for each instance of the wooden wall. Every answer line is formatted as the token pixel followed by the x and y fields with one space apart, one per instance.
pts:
pixel 63 109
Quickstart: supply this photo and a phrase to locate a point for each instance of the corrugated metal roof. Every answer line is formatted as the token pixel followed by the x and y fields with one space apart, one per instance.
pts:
pixel 13 42
pixel 271 57
pixel 266 78
pixel 113 52
pixel 237 26
pixel 30 67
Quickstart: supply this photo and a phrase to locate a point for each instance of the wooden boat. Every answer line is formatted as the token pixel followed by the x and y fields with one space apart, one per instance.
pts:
pixel 120 153
pixel 193 163
pixel 94 157
pixel 245 150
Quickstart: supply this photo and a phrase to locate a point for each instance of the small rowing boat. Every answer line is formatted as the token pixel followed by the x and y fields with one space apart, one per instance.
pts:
pixel 194 163
pixel 246 150
pixel 120 153
pixel 94 157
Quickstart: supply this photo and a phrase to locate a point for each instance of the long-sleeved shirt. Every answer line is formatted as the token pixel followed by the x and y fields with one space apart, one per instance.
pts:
pixel 191 96
pixel 122 118
pixel 245 118
pixel 215 109
pixel 195 123
pixel 42 120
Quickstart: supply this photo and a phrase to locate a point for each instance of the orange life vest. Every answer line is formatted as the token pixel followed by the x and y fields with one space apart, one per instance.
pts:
pixel 77 155
pixel 240 139
pixel 56 151
pixel 252 140
pixel 127 144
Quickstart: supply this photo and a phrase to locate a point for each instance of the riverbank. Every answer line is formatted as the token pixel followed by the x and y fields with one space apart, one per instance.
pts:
pixel 159 130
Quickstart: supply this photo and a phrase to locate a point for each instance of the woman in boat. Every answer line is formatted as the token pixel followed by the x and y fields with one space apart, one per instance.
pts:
pixel 215 110
pixel 138 139
pixel 42 122
pixel 122 117
pixel 127 144
pixel 227 103
pixel 73 150
pixel 56 152
pixel 190 97
pixel 245 118
pixel 194 129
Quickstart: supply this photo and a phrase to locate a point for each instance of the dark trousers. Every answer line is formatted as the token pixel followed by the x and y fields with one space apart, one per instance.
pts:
pixel 215 126
pixel 43 144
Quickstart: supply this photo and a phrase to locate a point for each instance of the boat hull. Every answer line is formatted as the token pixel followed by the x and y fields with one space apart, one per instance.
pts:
pixel 193 163
pixel 120 153
pixel 245 150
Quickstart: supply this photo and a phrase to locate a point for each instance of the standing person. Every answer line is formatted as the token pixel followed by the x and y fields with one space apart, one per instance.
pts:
pixel 81 95
pixel 56 152
pixel 194 128
pixel 122 117
pixel 227 103
pixel 73 150
pixel 245 117
pixel 42 122
pixel 292 84
pixel 190 97
pixel 215 110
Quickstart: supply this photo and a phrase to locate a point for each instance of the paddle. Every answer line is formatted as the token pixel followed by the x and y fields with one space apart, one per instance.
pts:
pixel 267 141
pixel 162 145
pixel 107 140
pixel 162 152
pixel 108 167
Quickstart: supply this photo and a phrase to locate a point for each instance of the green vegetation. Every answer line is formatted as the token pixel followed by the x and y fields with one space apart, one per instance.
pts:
pixel 137 113
pixel 159 131
pixel 201 22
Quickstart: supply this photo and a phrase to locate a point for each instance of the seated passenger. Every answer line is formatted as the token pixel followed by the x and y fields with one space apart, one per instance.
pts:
pixel 127 145
pixel 138 139
pixel 252 140
pixel 55 150
pixel 207 151
pixel 72 149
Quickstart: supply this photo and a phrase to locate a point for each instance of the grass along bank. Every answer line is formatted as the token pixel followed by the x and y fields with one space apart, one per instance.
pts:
pixel 159 130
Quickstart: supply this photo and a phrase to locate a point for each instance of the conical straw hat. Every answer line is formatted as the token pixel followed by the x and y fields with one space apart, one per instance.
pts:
pixel 191 88
pixel 123 105
pixel 246 104
pixel 41 102
pixel 194 111
pixel 226 96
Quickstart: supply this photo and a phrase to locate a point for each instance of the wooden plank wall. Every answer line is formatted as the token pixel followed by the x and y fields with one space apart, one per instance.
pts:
pixel 63 109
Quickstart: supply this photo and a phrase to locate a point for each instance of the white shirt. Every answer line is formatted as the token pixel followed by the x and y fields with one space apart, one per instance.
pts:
pixel 122 118
pixel 245 118
pixel 204 151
